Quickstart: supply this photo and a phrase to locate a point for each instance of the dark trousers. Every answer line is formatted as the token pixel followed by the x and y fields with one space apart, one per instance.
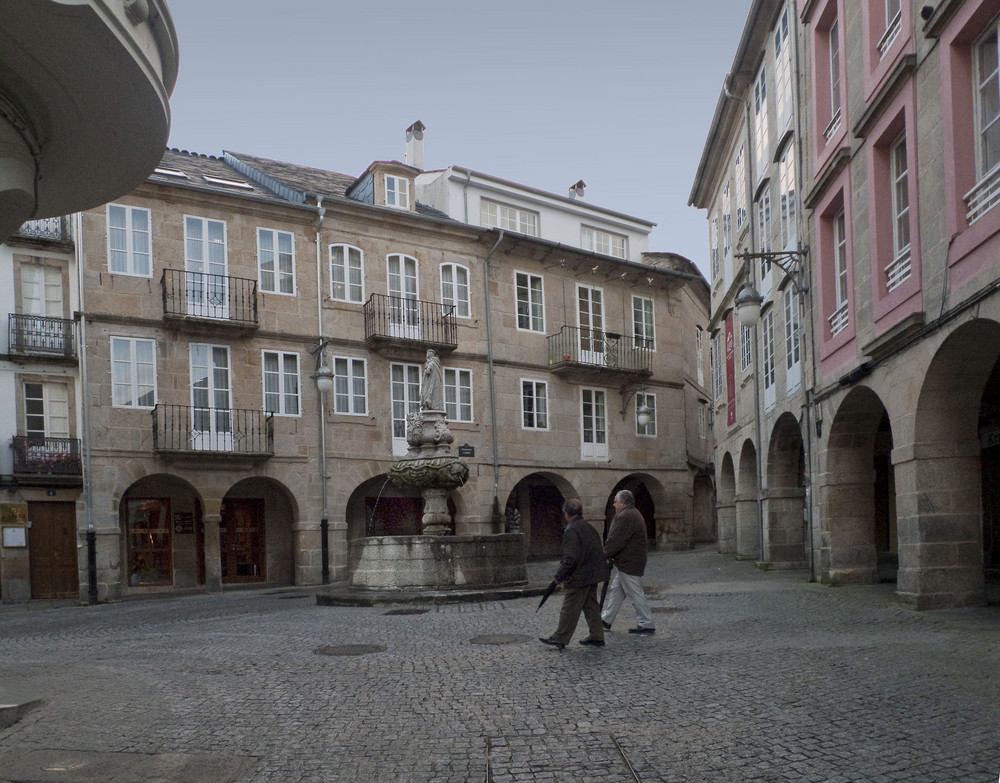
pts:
pixel 576 600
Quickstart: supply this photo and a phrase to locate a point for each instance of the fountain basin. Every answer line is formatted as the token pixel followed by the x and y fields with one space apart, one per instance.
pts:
pixel 438 562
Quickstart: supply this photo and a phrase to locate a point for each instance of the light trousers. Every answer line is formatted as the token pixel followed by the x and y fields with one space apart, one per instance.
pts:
pixel 576 600
pixel 626 585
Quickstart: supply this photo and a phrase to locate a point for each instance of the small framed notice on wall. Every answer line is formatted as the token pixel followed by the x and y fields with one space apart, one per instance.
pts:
pixel 15 536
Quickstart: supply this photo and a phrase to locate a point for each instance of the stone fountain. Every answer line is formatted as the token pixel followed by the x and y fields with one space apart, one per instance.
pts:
pixel 437 558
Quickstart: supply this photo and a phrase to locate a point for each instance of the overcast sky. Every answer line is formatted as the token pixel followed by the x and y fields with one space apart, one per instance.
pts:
pixel 541 92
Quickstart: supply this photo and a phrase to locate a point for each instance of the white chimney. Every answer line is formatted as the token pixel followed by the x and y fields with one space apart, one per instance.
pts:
pixel 415 145
pixel 576 191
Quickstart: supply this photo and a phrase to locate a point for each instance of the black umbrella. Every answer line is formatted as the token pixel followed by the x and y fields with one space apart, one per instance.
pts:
pixel 545 596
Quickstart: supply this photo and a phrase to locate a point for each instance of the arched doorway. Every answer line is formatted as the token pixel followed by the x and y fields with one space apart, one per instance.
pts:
pixel 378 508
pixel 854 502
pixel 644 503
pixel 784 502
pixel 703 526
pixel 726 506
pixel 747 509
pixel 163 538
pixel 539 498
pixel 255 533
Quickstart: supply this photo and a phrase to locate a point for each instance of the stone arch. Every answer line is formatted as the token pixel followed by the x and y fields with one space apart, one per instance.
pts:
pixel 785 496
pixel 942 483
pixel 257 533
pixel 650 500
pixel 377 507
pixel 746 502
pixel 848 551
pixel 539 497
pixel 703 518
pixel 726 505
pixel 161 518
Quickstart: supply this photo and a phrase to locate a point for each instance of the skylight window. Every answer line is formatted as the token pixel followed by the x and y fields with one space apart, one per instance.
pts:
pixel 227 183
pixel 170 173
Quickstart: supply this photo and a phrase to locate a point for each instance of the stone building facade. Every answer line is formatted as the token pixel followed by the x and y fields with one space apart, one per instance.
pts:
pixel 892 439
pixel 215 293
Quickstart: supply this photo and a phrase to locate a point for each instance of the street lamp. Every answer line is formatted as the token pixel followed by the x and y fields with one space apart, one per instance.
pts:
pixel 642 415
pixel 324 385
pixel 748 300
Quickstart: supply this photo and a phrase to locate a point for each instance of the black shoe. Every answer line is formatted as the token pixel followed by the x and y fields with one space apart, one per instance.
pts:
pixel 607 626
pixel 554 642
pixel 642 630
pixel 592 642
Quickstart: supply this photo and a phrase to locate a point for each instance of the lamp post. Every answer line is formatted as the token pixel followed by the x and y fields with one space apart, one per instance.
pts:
pixel 324 385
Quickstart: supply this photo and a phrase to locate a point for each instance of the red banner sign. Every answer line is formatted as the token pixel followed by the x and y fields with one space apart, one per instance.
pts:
pixel 730 373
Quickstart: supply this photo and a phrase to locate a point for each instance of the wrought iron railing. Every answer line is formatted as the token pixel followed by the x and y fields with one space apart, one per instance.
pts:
pixel 56 228
pixel 42 456
pixel 212 297
pixel 574 345
pixel 37 335
pixel 185 428
pixel 399 318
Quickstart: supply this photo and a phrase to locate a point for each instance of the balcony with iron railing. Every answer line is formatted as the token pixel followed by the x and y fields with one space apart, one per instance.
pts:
pixel 53 229
pixel 41 337
pixel 187 431
pixel 583 355
pixel 201 300
pixel 397 324
pixel 46 460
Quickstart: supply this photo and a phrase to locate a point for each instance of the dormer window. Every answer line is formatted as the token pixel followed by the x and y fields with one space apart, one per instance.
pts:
pixel 397 192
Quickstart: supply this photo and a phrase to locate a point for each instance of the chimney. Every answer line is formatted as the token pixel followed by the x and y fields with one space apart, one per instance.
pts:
pixel 415 145
pixel 576 191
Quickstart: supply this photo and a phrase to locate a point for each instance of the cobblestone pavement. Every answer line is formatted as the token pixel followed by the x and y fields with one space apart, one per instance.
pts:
pixel 751 676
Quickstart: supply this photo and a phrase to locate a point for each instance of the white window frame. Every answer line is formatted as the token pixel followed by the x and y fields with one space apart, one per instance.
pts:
pixel 833 46
pixel 840 318
pixel 397 191
pixel 786 188
pixel 740 175
pixel 55 409
pixel 280 278
pixel 138 261
pixel 207 295
pixel 717 367
pixel 351 259
pixel 404 399
pixel 455 292
pixel 644 322
pixel 702 421
pixel 289 400
pixel 727 226
pixel 746 348
pixel 793 346
pixel 782 74
pixel 767 357
pixel 593 424
pixel 898 269
pixel 536 323
pixel 713 244
pixel 496 214
pixel 42 291
pixel 986 89
pixel 649 400
pixel 458 403
pixel 893 19
pixel 537 418
pixel 348 373
pixel 218 436
pixel 761 129
pixel 133 376
pixel 597 240
pixel 699 355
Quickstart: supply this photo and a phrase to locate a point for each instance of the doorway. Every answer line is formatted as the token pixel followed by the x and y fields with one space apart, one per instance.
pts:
pixel 52 550
pixel 242 541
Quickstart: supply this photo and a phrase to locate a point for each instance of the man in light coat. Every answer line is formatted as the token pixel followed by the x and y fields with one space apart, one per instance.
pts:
pixel 625 547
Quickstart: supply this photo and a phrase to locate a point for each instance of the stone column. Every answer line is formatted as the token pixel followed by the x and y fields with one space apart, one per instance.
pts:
pixel 213 552
pixel 747 528
pixel 784 531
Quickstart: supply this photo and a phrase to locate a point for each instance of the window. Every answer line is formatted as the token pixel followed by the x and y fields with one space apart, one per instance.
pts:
pixel 205 260
pixel 702 421
pixel 727 226
pixel 764 226
pixel 833 36
pixel 492 214
pixel 649 401
pixel 782 73
pixel 129 241
pixel 987 83
pixel 350 382
pixel 898 270
pixel 893 18
pixel 718 357
pixel 133 372
pixel 767 356
pixel 404 308
pixel 740 167
pixel 46 410
pixel 405 391
pixel 597 241
pixel 594 433
pixel 746 348
pixel 642 322
pixel 714 248
pixel 455 289
pixel 761 132
pixel 346 273
pixel 534 405
pixel 41 291
pixel 397 192
pixel 530 302
pixel 786 188
pixel 699 354
pixel 793 358
pixel 281 383
pixel 841 314
pixel 276 261
pixel 458 394
pixel 212 424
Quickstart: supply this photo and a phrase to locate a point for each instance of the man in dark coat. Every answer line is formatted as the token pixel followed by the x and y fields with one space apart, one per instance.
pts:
pixel 626 549
pixel 582 567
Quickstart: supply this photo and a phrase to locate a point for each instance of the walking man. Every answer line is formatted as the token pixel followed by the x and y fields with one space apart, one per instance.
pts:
pixel 625 547
pixel 582 567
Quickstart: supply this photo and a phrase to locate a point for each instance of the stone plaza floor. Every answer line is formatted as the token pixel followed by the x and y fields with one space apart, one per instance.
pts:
pixel 750 676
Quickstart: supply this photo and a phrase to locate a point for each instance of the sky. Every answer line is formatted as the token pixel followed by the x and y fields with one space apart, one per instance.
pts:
pixel 540 92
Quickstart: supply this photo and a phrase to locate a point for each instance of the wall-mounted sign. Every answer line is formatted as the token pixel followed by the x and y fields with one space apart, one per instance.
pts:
pixel 465 450
pixel 183 522
pixel 15 537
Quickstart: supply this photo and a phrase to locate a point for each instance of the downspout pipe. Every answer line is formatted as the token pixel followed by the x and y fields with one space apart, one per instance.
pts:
pixel 88 473
pixel 489 362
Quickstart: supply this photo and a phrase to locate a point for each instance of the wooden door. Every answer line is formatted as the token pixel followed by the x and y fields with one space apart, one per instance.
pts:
pixel 242 541
pixel 52 550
